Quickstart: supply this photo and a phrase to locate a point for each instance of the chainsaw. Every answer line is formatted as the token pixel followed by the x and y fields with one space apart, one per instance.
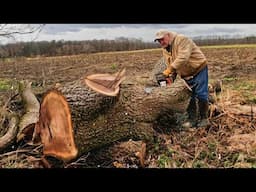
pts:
pixel 164 81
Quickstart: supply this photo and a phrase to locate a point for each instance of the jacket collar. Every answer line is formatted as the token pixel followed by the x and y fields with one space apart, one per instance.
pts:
pixel 173 34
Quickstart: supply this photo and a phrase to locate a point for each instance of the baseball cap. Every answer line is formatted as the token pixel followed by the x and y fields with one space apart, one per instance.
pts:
pixel 160 34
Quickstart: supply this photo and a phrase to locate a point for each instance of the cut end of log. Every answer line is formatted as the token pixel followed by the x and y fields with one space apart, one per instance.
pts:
pixel 55 127
pixel 106 84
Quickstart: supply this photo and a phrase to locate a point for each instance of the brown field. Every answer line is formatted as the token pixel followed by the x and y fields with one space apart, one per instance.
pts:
pixel 215 147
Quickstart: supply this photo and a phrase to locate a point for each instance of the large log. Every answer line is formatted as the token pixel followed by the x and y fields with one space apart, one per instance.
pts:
pixel 99 120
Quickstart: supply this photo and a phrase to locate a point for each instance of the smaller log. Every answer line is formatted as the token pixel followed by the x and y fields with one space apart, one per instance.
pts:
pixel 31 107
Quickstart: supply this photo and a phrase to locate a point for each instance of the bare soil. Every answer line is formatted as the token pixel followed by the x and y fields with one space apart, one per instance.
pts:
pixel 215 146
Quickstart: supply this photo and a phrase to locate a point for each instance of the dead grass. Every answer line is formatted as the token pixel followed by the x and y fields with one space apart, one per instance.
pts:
pixel 25 156
pixel 229 46
pixel 230 141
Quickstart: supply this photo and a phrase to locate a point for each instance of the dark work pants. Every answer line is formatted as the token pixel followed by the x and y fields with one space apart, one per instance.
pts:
pixel 199 85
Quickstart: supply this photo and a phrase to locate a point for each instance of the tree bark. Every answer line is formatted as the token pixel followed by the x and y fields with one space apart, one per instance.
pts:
pixel 31 109
pixel 9 137
pixel 100 120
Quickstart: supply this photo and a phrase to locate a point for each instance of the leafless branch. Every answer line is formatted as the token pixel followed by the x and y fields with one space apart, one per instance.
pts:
pixel 13 152
pixel 11 30
pixel 77 162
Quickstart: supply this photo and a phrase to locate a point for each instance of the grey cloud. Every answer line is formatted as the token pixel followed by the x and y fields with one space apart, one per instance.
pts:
pixel 62 28
pixel 217 30
pixel 140 30
pixel 226 30
pixel 156 26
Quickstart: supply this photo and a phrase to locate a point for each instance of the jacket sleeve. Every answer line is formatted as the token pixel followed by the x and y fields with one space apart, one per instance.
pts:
pixel 184 51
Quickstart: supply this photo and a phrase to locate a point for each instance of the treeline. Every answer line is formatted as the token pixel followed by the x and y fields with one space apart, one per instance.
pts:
pixel 224 40
pixel 59 48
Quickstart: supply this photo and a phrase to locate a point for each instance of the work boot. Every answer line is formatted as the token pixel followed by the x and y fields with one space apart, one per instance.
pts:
pixel 203 110
pixel 190 116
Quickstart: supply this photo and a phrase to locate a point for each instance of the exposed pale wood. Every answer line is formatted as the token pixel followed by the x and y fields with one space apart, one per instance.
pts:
pixel 55 127
pixel 106 84
pixel 31 109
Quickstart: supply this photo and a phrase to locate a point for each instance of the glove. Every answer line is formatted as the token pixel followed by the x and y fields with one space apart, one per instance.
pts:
pixel 168 71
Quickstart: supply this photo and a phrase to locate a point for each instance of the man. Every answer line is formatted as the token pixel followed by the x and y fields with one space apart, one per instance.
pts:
pixel 184 57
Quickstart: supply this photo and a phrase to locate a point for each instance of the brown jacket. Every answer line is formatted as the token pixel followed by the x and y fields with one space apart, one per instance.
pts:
pixel 185 56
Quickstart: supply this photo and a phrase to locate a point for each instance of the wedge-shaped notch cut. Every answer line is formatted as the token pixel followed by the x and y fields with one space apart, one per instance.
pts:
pixel 107 84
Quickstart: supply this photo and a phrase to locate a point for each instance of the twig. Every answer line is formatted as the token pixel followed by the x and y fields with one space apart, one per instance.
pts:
pixel 76 162
pixel 38 147
pixel 216 117
pixel 231 116
pixel 4 108
pixel 46 164
pixel 8 101
pixel 251 113
pixel 13 152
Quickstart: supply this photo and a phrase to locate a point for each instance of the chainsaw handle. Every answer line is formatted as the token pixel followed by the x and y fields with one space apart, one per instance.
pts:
pixel 168 80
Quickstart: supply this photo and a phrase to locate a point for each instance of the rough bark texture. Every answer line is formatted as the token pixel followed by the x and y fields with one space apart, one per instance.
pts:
pixel 125 154
pixel 16 126
pixel 10 136
pixel 31 109
pixel 99 120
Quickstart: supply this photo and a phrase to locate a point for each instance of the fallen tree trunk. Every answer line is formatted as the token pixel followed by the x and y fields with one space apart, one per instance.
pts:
pixel 99 120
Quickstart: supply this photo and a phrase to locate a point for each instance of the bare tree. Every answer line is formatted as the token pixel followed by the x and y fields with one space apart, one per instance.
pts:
pixel 12 31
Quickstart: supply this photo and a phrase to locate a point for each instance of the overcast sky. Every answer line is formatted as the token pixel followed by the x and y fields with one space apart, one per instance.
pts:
pixel 142 31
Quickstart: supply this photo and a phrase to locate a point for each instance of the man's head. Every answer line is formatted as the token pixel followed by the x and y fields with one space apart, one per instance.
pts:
pixel 163 37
